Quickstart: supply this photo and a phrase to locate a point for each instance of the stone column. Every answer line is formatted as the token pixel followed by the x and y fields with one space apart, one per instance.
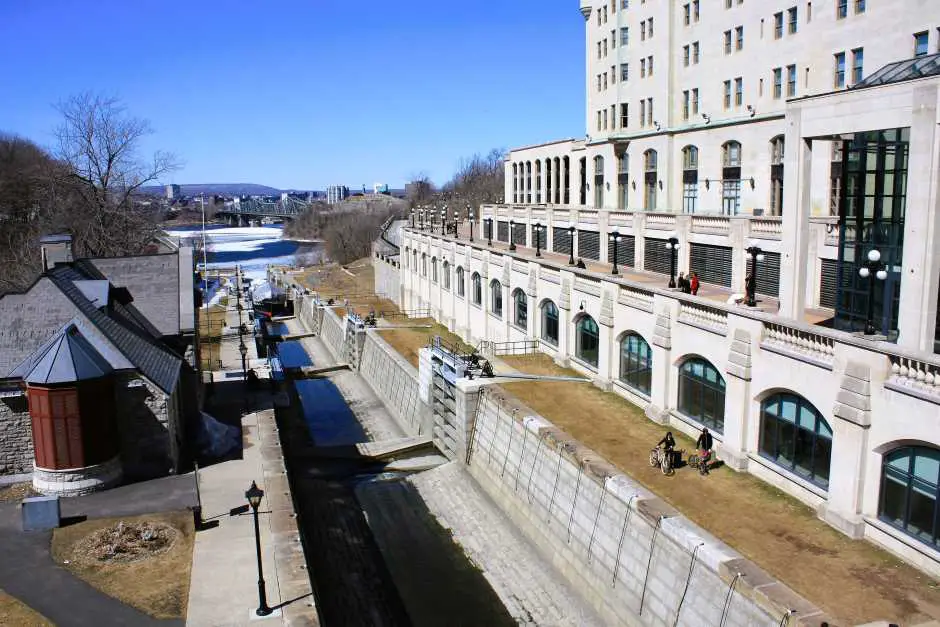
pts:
pixel 661 346
pixel 639 239
pixel 564 320
pixel 737 400
pixel 920 265
pixel 605 324
pixel 797 208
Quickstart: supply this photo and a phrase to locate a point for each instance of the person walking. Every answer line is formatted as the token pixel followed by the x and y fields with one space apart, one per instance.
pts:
pixel 693 283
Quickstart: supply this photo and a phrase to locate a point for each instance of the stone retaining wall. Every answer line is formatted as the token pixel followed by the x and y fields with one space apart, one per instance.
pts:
pixel 395 381
pixel 331 332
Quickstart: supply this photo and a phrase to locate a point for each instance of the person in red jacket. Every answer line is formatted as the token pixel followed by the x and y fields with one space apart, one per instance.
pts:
pixel 693 283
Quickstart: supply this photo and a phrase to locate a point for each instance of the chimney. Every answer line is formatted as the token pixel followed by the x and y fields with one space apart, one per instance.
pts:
pixel 55 249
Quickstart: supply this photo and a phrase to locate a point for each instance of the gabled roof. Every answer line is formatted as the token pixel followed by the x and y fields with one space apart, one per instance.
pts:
pixel 67 357
pixel 156 363
pixel 909 69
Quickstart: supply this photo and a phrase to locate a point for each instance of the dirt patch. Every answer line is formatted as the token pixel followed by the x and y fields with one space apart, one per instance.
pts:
pixel 850 579
pixel 143 561
pixel 408 341
pixel 15 612
pixel 17 492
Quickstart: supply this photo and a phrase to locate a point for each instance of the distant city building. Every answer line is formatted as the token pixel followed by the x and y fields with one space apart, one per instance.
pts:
pixel 380 188
pixel 336 193
pixel 172 191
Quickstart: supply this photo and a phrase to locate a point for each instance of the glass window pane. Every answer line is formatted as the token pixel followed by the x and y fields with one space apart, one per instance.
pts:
pixel 921 515
pixel 927 466
pixel 788 409
pixel 894 499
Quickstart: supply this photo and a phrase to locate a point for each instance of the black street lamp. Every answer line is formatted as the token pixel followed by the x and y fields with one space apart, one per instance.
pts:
pixel 412 218
pixel 571 231
pixel 254 495
pixel 615 237
pixel 755 255
pixel 873 269
pixel 673 245
pixel 512 240
pixel 538 228
pixel 244 351
pixel 470 219
pixel 489 231
pixel 443 219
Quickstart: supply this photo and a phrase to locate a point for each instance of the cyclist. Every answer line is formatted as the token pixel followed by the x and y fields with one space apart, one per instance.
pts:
pixel 668 443
pixel 704 446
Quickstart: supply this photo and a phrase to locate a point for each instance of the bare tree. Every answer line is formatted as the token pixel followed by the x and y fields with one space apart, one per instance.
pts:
pixel 479 179
pixel 99 143
pixel 419 191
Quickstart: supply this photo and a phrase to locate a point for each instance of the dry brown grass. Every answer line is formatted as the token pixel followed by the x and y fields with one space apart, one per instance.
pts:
pixel 850 579
pixel 16 492
pixel 13 612
pixel 355 282
pixel 408 341
pixel 158 586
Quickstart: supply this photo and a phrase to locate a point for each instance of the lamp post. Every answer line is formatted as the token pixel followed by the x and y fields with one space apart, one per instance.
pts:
pixel 673 245
pixel 512 240
pixel 571 231
pixel 254 495
pixel 244 351
pixel 755 255
pixel 470 219
pixel 412 218
pixel 443 218
pixel 615 237
pixel 489 231
pixel 538 228
pixel 873 269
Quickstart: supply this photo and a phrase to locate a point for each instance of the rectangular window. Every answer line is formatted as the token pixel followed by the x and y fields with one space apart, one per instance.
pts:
pixel 605 46
pixel 605 80
pixel 686 101
pixel 624 36
pixel 727 97
pixel 695 48
pixel 839 81
pixel 643 31
pixel 649 65
pixel 859 6
pixel 778 83
pixel 650 27
pixel 598 50
pixel 685 56
pixel 624 72
pixel 642 68
pixel 598 120
pixel 727 4
pixel 613 74
pixel 624 115
pixel 739 38
pixel 605 119
pixel 738 91
pixel 778 25
pixel 727 42
pixel 598 82
pixel 625 4
pixel 792 20
pixel 613 39
pixel 809 12
pixel 649 111
pixel 791 81
pixel 857 62
pixel 642 113
pixel 695 10
pixel 695 101
pixel 842 9
pixel 686 14
pixel 920 44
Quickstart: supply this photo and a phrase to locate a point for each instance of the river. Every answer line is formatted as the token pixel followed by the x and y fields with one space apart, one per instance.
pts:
pixel 253 248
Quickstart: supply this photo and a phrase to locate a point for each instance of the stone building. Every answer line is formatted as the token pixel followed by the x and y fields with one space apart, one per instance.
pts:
pixel 96 370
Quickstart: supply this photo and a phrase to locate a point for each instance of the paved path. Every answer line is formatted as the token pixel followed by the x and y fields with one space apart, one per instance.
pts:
pixel 28 572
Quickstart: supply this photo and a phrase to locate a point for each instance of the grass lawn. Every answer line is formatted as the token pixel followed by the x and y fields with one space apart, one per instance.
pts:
pixel 13 612
pixel 408 341
pixel 157 585
pixel 355 282
pixel 850 579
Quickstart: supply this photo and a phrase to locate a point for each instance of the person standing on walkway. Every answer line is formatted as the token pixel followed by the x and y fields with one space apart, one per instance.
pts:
pixel 704 445
pixel 693 283
pixel 682 283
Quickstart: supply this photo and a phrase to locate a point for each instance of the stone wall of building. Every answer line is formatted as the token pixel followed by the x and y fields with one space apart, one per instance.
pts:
pixel 16 438
pixel 154 283
pixel 144 417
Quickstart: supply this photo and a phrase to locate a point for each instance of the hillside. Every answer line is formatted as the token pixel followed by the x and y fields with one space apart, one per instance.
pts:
pixel 223 189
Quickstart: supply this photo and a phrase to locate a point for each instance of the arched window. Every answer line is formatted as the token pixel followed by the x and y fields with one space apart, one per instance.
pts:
pixel 731 178
pixel 521 307
pixel 586 340
pixel 434 269
pixel 689 179
pixel 623 180
pixel 636 363
pixel 550 323
pixel 793 434
pixel 496 298
pixel 910 490
pixel 702 393
pixel 424 264
pixel 650 179
pixel 598 181
pixel 446 269
pixel 776 175
pixel 477 288
pixel 460 284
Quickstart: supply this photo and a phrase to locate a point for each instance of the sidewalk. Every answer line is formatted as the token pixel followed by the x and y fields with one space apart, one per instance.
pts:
pixel 224 586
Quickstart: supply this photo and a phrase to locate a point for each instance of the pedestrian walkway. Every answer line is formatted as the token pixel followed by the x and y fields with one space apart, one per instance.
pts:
pixel 224 586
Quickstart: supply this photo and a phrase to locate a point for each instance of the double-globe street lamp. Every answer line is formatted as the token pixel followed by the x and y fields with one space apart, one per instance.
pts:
pixel 538 229
pixel 615 239
pixel 873 269
pixel 489 230
pixel 755 255
pixel 673 245
pixel 443 219
pixel 470 219
pixel 254 495
pixel 512 239
pixel 571 231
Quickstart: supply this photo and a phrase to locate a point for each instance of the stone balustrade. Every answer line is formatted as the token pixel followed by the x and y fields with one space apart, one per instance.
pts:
pixel 799 343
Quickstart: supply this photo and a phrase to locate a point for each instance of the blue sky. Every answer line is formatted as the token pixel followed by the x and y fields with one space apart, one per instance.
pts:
pixel 304 93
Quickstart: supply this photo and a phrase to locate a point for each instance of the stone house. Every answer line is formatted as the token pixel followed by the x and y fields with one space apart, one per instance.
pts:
pixel 97 383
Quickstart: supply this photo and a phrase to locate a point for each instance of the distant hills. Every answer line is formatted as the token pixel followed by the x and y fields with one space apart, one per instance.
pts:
pixel 222 189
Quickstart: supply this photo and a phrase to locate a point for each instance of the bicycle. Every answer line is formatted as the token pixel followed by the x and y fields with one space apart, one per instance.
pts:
pixel 659 457
pixel 696 461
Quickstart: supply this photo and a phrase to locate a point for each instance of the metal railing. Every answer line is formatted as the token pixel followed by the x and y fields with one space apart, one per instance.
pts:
pixel 518 347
